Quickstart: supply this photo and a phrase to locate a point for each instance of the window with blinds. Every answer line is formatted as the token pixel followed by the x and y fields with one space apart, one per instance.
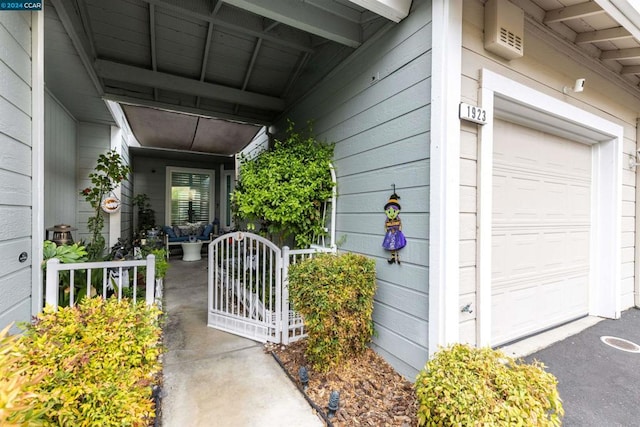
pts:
pixel 190 197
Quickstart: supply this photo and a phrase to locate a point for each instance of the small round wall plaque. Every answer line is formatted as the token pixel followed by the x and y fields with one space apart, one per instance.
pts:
pixel 23 257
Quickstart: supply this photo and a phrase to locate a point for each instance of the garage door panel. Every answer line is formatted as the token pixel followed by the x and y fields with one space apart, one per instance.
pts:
pixel 541 231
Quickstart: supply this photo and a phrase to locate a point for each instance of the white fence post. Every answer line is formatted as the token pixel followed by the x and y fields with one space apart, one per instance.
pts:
pixel 52 284
pixel 284 312
pixel 151 279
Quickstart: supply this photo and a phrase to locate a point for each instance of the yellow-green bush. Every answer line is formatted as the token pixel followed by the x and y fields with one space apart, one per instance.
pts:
pixel 15 408
pixel 334 294
pixel 466 386
pixel 96 363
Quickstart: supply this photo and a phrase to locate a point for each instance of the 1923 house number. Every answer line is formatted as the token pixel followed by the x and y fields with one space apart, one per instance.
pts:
pixel 473 114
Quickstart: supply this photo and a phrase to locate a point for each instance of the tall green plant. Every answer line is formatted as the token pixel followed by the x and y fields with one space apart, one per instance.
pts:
pixel 109 172
pixel 283 189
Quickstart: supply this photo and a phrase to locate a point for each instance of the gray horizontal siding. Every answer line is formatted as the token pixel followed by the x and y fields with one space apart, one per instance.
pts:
pixel 93 140
pixel 60 189
pixel 376 108
pixel 15 166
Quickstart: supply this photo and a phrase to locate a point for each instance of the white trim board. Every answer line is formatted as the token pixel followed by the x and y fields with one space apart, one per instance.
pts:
pixel 444 177
pixel 515 102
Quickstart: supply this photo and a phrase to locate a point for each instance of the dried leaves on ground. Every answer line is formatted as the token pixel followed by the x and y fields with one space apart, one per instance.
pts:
pixel 371 392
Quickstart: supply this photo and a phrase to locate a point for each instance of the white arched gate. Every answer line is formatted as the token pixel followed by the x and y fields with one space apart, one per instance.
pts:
pixel 248 295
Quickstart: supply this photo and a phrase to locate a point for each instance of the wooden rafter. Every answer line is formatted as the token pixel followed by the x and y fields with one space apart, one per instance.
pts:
pixel 152 36
pixel 305 17
pixel 221 23
pixel 140 76
pixel 603 35
pixel 576 11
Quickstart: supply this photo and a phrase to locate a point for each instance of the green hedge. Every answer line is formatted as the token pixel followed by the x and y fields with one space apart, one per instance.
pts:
pixel 466 386
pixel 334 294
pixel 92 365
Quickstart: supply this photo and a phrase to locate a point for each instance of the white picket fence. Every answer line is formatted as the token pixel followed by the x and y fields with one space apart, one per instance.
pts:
pixel 114 276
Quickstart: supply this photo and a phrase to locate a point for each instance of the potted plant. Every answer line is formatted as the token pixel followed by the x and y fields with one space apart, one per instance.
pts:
pixel 146 215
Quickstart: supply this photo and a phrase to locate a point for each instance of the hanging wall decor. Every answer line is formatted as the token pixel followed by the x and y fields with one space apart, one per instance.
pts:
pixel 394 240
pixel 110 204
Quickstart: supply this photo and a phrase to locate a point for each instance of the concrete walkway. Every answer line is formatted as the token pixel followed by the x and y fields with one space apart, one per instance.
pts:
pixel 212 378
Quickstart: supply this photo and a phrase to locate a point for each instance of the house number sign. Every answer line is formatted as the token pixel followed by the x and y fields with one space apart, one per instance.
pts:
pixel 473 114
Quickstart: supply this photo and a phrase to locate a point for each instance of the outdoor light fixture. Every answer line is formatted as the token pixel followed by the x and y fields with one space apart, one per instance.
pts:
pixel 334 403
pixel 304 377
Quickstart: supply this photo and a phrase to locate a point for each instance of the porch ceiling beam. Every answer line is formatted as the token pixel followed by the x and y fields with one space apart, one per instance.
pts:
pixel 130 100
pixel 66 13
pixel 205 57
pixel 305 17
pixel 576 11
pixel 632 69
pixel 140 76
pixel 302 62
pixel 632 53
pixel 239 28
pixel 152 36
pixel 247 75
pixel 603 35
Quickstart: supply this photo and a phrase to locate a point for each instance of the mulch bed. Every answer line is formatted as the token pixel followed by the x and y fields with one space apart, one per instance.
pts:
pixel 371 392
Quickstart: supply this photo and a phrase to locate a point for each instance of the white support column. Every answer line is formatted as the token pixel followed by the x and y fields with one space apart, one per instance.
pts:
pixel 37 155
pixel 115 219
pixel 636 285
pixel 444 200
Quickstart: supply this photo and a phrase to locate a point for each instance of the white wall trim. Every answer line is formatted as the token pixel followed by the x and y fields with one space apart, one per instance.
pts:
pixel 223 197
pixel 636 284
pixel 518 103
pixel 115 219
pixel 444 196
pixel 37 154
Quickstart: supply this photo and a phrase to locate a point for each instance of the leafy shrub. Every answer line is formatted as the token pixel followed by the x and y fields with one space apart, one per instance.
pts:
pixel 334 294
pixel 15 409
pixel 469 386
pixel 283 188
pixel 97 361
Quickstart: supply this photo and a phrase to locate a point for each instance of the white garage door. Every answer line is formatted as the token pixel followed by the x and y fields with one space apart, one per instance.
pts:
pixel 541 223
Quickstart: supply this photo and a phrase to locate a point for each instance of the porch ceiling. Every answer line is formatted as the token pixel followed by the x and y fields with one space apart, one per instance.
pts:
pixel 229 64
pixel 244 62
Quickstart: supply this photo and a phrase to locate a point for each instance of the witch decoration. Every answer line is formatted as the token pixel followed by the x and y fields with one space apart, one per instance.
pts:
pixel 394 240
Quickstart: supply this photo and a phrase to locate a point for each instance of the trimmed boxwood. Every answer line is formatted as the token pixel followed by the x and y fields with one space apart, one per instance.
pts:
pixel 467 386
pixel 334 294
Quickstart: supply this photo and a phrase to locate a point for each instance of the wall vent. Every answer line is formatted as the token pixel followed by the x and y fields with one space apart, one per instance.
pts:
pixel 504 29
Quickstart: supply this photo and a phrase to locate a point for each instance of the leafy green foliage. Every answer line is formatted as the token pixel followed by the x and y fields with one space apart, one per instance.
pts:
pixel 109 172
pixel 283 189
pixel 67 254
pixel 334 294
pixel 469 386
pixel 94 364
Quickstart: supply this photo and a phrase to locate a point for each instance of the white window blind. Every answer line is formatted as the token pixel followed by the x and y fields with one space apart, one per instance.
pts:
pixel 190 197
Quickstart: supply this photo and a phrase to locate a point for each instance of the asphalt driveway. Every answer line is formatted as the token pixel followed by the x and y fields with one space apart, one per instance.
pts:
pixel 599 384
